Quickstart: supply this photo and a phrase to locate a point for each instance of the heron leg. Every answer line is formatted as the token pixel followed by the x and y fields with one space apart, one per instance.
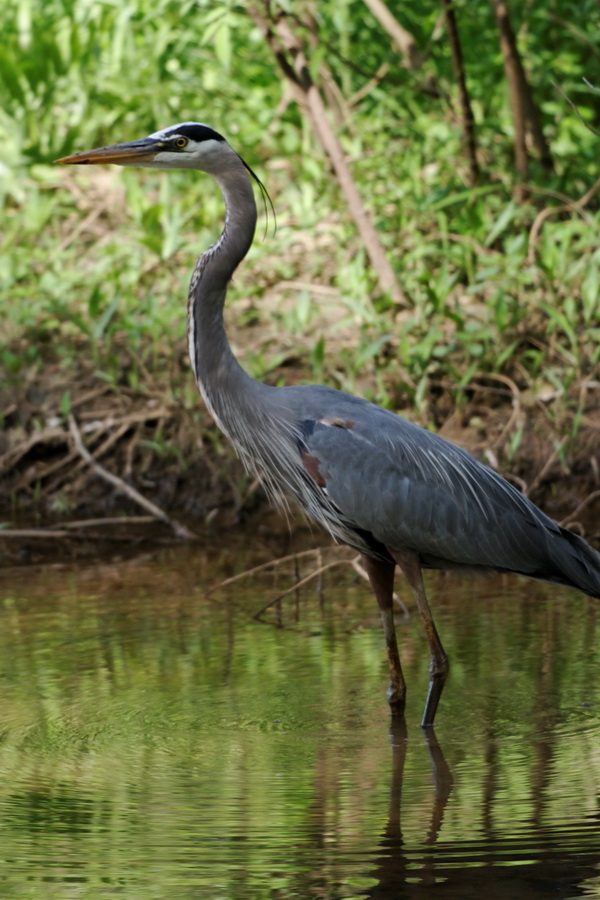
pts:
pixel 381 576
pixel 438 667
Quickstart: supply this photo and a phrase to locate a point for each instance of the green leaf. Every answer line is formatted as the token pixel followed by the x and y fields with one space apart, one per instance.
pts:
pixel 501 223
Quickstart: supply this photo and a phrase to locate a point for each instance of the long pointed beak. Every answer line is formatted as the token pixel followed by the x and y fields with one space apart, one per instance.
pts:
pixel 120 154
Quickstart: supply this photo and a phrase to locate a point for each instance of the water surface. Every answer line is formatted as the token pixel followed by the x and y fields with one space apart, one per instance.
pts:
pixel 156 742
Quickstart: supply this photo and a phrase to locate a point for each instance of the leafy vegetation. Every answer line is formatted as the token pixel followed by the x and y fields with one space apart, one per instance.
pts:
pixel 94 264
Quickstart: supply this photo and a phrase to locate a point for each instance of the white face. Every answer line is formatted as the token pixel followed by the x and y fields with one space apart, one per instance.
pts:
pixel 190 145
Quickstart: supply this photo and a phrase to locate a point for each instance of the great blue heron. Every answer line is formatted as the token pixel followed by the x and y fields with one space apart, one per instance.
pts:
pixel 395 492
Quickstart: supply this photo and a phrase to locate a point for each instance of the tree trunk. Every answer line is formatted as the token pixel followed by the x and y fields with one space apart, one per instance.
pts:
pixel 525 113
pixel 468 120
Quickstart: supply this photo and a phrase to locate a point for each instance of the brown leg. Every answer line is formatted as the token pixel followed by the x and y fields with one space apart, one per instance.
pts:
pixel 381 576
pixel 438 668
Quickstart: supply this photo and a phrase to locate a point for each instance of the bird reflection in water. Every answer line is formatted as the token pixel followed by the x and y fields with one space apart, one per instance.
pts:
pixel 527 864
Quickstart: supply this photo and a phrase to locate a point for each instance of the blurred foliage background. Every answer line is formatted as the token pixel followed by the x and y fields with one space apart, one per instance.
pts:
pixel 94 264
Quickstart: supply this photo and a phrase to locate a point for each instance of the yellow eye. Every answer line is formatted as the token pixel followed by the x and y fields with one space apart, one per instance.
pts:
pixel 181 142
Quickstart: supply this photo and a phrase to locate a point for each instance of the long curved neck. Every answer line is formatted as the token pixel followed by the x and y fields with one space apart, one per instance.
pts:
pixel 225 386
pixel 265 432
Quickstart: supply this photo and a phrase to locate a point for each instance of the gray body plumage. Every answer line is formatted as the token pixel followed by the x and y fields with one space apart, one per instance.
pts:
pixel 412 490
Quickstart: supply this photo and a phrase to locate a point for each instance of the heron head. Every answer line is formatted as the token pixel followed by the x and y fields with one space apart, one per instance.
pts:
pixel 189 145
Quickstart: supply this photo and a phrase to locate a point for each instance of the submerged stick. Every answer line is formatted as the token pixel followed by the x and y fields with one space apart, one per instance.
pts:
pixel 301 583
pixel 266 565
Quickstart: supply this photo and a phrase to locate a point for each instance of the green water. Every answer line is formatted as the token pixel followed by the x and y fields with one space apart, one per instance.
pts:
pixel 159 743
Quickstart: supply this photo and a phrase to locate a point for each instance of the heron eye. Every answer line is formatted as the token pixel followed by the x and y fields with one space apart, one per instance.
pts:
pixel 181 142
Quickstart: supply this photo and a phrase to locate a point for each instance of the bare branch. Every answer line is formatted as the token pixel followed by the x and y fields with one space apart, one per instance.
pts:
pixel 595 495
pixel 180 530
pixel 291 57
pixel 574 108
pixel 403 39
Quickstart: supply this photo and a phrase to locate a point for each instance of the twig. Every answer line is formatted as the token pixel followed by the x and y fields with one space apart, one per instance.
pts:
pixel 517 481
pixel 545 468
pixel 33 473
pixel 516 404
pixel 132 446
pixel 570 205
pixel 103 419
pixel 267 565
pixel 48 435
pixel 53 435
pixel 88 396
pixel 63 533
pixel 574 108
pixel 299 584
pixel 369 86
pixel 110 520
pixel 81 226
pixel 19 533
pixel 180 530
pixel 316 573
pixel 53 485
pixel 403 39
pixel 595 495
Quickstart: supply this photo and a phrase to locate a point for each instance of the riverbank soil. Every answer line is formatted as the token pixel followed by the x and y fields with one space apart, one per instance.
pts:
pixel 87 463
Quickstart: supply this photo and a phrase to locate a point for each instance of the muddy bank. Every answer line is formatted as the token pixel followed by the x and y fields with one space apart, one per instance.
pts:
pixel 78 452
